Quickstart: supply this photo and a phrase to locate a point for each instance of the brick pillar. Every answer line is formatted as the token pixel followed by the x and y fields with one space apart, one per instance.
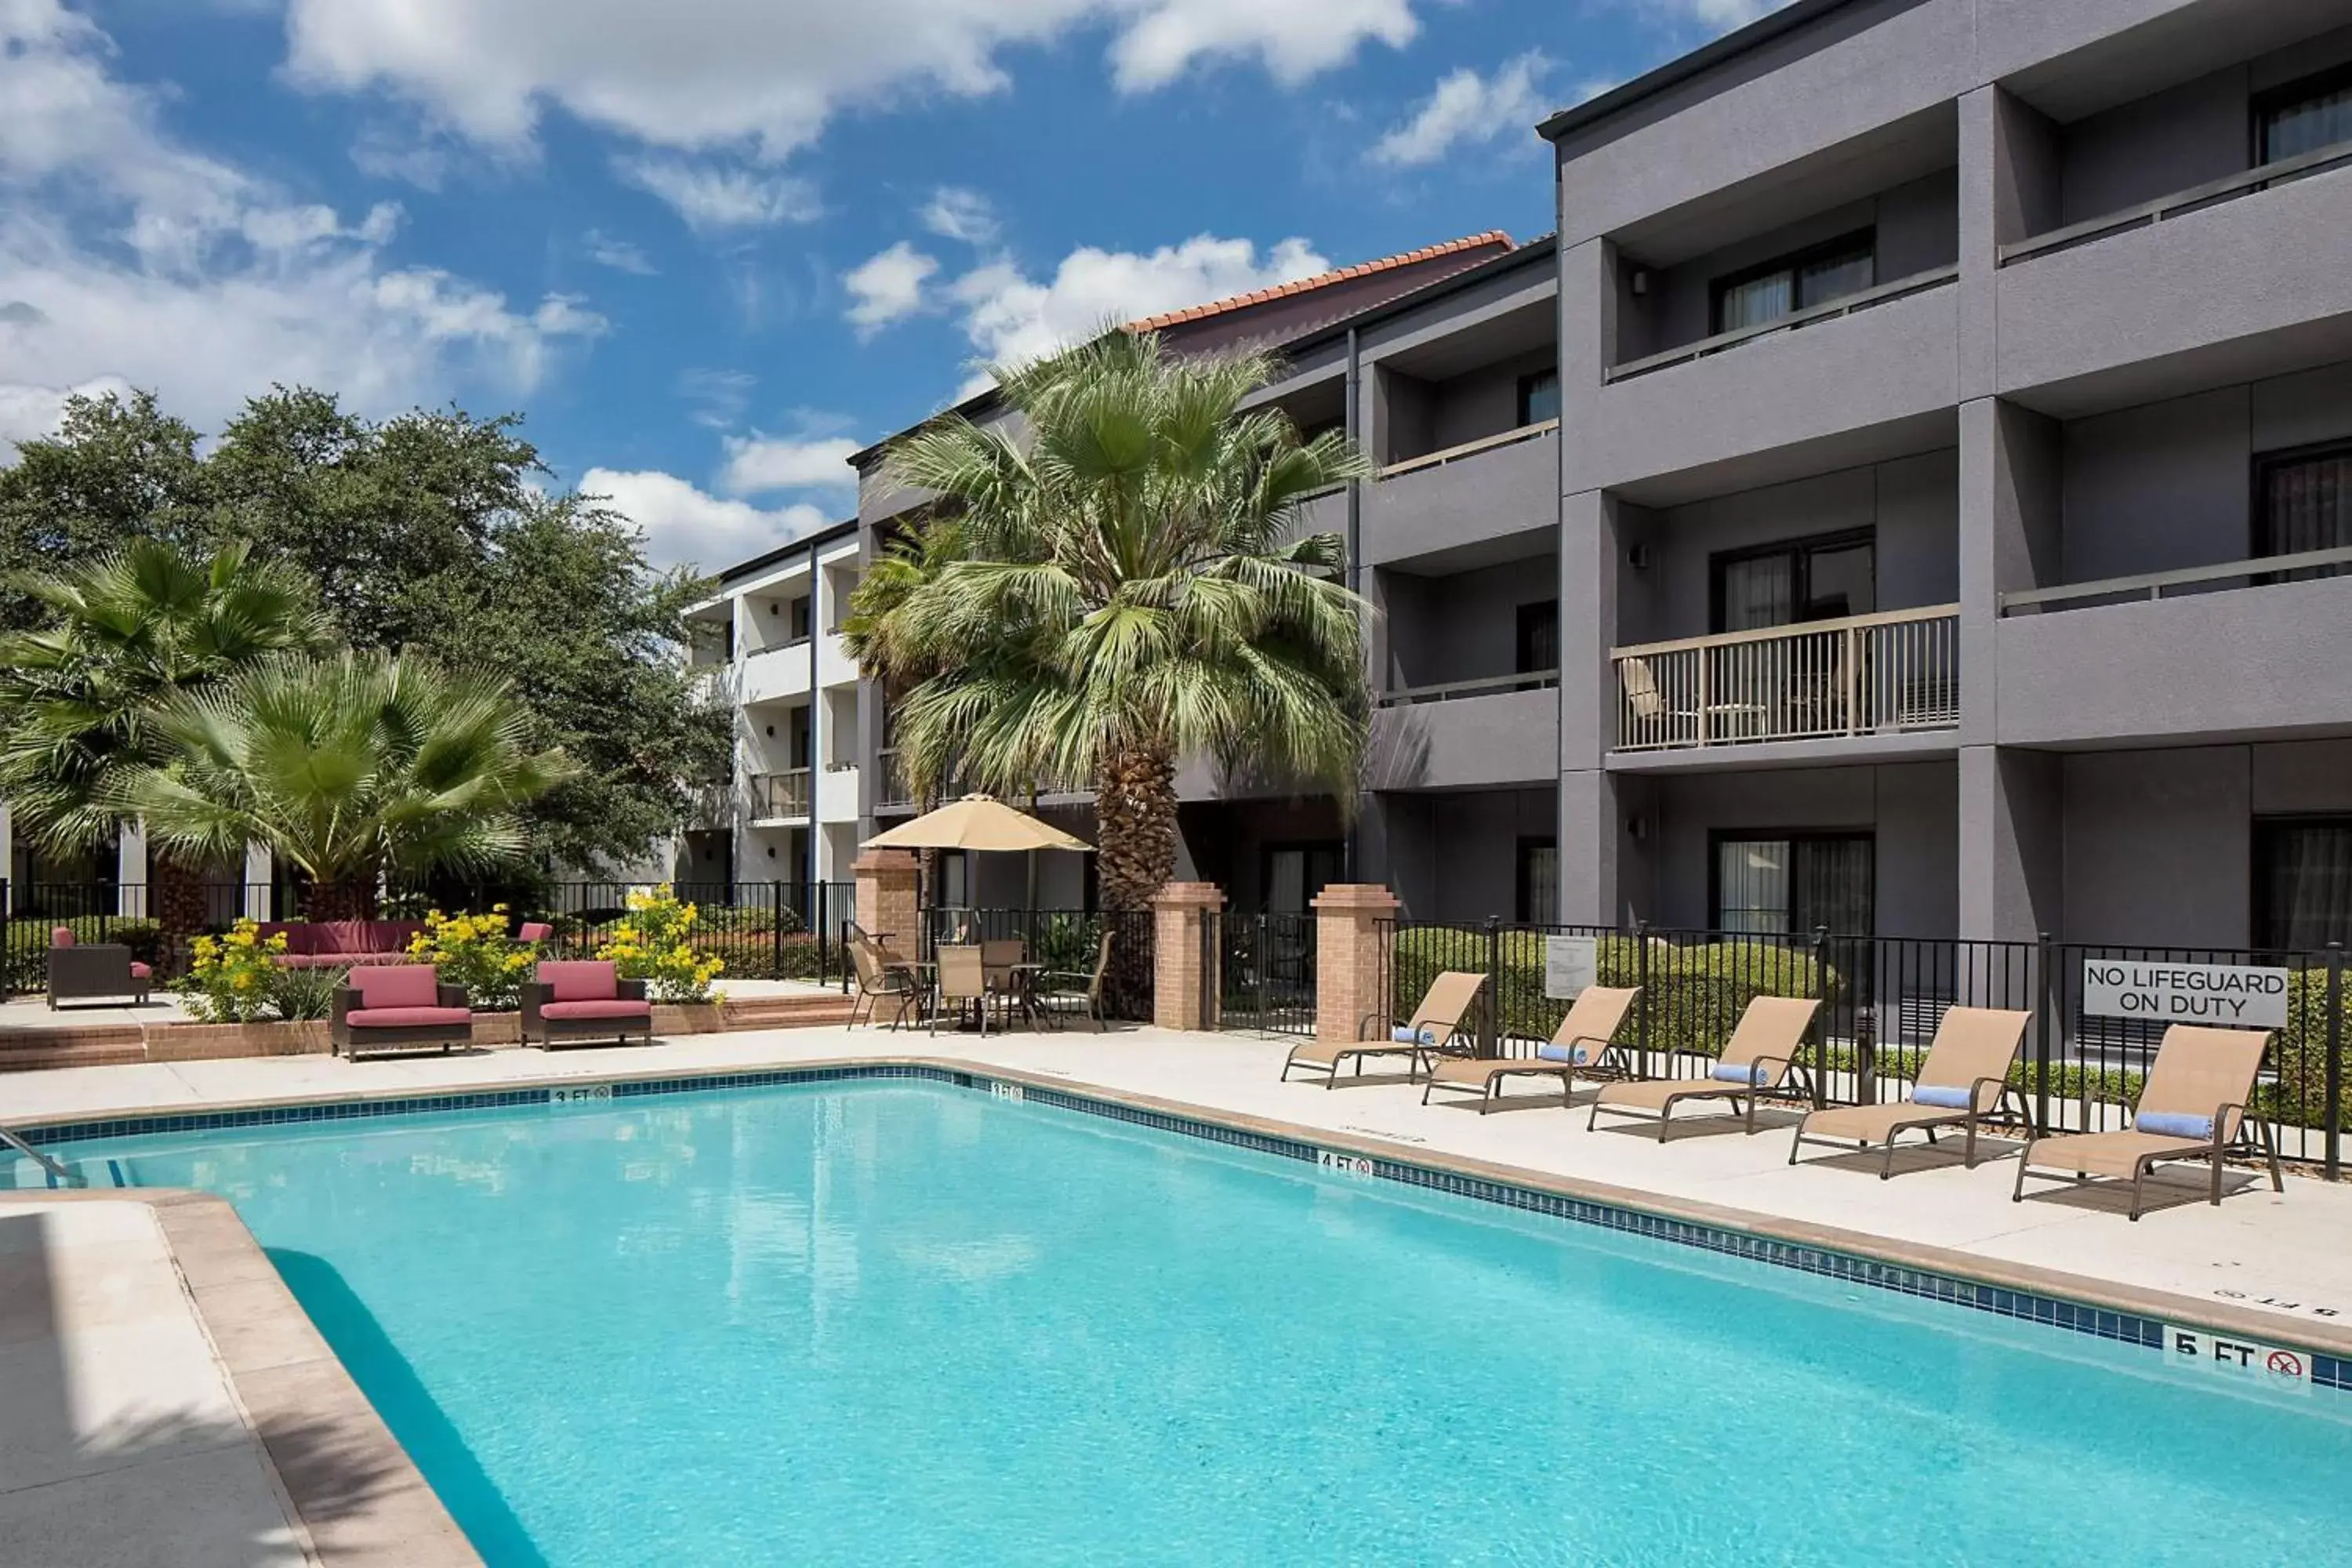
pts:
pixel 1181 913
pixel 1354 925
pixel 888 907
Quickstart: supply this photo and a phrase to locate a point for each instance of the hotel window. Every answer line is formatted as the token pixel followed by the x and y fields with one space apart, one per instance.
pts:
pixel 1788 886
pixel 1537 902
pixel 2304 116
pixel 2303 501
pixel 1802 580
pixel 1538 397
pixel 1538 649
pixel 1764 294
pixel 1295 873
pixel 2302 883
pixel 800 618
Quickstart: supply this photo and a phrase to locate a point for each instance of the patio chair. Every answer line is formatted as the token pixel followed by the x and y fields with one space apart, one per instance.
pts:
pixel 880 977
pixel 1580 1044
pixel 2193 1107
pixel 1435 1026
pixel 100 970
pixel 1066 988
pixel 999 958
pixel 1964 1080
pixel 572 1000
pixel 1759 1059
pixel 1671 723
pixel 963 978
pixel 397 1007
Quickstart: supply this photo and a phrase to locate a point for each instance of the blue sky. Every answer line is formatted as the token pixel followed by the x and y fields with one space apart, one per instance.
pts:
pixel 708 247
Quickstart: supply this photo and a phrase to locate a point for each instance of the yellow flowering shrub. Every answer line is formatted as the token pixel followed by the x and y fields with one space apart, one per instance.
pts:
pixel 656 944
pixel 478 952
pixel 230 978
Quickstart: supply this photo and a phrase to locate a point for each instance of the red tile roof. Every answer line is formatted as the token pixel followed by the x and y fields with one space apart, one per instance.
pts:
pixel 1493 239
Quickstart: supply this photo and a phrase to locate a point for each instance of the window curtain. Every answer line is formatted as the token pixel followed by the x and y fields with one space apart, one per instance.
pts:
pixel 2308 125
pixel 1760 592
pixel 1752 885
pixel 2307 884
pixel 2307 505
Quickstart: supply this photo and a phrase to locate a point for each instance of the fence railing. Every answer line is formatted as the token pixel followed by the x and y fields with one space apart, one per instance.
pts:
pixel 1861 675
pixel 1063 943
pixel 1882 999
pixel 786 793
pixel 1264 972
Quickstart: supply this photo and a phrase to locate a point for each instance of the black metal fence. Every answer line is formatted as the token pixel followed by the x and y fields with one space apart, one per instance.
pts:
pixel 1065 942
pixel 1264 970
pixel 1882 998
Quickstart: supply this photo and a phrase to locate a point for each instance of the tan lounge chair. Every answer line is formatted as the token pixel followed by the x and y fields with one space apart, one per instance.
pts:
pixel 1578 1045
pixel 1764 1043
pixel 1434 1027
pixel 2196 1095
pixel 1964 1080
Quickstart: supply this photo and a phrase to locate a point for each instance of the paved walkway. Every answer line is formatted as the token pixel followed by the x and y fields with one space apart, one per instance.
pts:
pixel 2284 1254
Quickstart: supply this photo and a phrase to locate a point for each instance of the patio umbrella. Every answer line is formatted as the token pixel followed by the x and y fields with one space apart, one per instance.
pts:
pixel 976 822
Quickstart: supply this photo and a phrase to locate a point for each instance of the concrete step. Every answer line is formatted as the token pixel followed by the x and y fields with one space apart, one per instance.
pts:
pixel 71 1046
pixel 786 1012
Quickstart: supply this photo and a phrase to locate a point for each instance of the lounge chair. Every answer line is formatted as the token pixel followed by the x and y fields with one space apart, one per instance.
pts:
pixel 1578 1045
pixel 1964 1080
pixel 83 971
pixel 1759 1059
pixel 2193 1107
pixel 397 1007
pixel 1435 1026
pixel 572 1000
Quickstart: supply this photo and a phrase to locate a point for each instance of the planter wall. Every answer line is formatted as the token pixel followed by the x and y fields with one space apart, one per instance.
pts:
pixel 207 1042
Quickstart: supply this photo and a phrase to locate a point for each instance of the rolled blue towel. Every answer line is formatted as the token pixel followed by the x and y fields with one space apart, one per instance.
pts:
pixel 1941 1094
pixel 1574 1056
pixel 1754 1075
pixel 2174 1124
pixel 1424 1036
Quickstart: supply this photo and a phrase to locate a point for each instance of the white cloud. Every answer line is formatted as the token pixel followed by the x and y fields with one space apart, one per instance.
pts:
pixel 888 286
pixel 954 212
pixel 710 195
pixel 686 526
pixel 719 396
pixel 127 259
pixel 757 464
pixel 1466 108
pixel 696 75
pixel 1716 15
pixel 1011 317
pixel 619 255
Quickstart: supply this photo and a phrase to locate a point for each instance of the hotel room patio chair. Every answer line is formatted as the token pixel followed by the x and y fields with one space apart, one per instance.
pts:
pixel 572 1000
pixel 2193 1107
pixel 1758 1061
pixel 1579 1046
pixel 962 978
pixel 79 972
pixel 1434 1027
pixel 1679 725
pixel 1067 990
pixel 882 977
pixel 397 1007
pixel 1964 1080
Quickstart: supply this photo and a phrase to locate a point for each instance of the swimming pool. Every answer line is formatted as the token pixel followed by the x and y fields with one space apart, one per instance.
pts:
pixel 898 1322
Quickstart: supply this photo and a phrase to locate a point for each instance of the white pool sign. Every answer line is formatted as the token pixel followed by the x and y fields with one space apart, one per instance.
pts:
pixel 2241 994
pixel 2275 1364
pixel 1345 1164
pixel 1570 964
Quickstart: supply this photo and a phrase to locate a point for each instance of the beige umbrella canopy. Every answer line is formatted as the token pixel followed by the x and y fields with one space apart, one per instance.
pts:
pixel 976 822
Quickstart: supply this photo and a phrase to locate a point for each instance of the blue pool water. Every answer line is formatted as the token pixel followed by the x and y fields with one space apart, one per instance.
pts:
pixel 892 1323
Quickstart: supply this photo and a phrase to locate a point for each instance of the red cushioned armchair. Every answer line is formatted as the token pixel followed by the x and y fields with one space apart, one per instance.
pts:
pixel 579 999
pixel 398 1007
pixel 84 973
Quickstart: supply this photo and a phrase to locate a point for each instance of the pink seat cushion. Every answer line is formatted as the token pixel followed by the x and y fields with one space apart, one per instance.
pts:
pixel 613 1008
pixel 580 980
pixel 61 936
pixel 141 971
pixel 534 930
pixel 410 1018
pixel 397 985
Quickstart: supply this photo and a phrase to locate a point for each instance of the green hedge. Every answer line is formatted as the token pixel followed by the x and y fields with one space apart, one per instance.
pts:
pixel 28 961
pixel 1692 995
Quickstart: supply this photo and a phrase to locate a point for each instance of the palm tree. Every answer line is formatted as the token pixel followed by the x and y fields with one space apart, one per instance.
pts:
pixel 353 768
pixel 883 644
pixel 1135 590
pixel 125 633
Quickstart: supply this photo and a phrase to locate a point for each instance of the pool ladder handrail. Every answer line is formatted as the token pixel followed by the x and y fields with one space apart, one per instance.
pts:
pixel 57 1172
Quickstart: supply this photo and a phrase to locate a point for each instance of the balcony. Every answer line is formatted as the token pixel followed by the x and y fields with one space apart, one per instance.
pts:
pixel 2234 280
pixel 1492 488
pixel 780 797
pixel 1893 674
pixel 2234 650
pixel 1467 735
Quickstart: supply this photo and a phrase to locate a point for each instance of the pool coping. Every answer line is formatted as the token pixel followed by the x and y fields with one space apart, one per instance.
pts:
pixel 2080 1303
pixel 314 1426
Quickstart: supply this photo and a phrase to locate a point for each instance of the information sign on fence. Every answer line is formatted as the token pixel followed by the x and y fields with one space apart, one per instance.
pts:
pixel 2232 994
pixel 1570 964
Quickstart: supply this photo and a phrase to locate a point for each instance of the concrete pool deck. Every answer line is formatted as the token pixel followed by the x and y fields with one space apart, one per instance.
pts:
pixel 2260 1264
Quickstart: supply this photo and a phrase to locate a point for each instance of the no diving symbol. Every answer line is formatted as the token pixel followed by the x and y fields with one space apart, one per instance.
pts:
pixel 2286 1363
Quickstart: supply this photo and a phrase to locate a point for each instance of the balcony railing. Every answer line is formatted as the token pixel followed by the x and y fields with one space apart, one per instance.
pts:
pixel 2301 566
pixel 2196 198
pixel 893 790
pixel 1865 675
pixel 783 794
pixel 1845 305
pixel 1485 686
pixel 1468 449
